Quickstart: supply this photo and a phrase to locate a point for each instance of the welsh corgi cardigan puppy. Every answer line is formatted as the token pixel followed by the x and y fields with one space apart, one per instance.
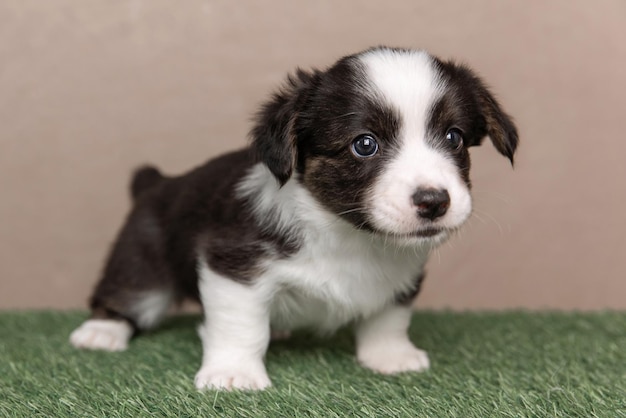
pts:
pixel 353 175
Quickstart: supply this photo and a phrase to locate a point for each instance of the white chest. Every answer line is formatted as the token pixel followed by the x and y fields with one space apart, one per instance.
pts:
pixel 336 278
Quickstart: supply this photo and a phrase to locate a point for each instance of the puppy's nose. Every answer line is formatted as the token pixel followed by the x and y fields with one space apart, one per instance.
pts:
pixel 431 203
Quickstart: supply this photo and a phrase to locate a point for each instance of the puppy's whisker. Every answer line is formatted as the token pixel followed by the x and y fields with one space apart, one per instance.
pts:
pixel 492 218
pixel 477 216
pixel 345 212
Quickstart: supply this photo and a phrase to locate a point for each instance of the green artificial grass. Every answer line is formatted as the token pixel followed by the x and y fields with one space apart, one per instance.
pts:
pixel 511 364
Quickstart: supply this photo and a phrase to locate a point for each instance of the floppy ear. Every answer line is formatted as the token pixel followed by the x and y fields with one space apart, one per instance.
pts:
pixel 495 122
pixel 274 141
pixel 499 125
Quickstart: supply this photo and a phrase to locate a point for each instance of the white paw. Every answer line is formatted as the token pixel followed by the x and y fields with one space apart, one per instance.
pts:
pixel 242 378
pixel 390 360
pixel 102 334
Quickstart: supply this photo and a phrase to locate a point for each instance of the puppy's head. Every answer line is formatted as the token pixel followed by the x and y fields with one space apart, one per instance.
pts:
pixel 381 139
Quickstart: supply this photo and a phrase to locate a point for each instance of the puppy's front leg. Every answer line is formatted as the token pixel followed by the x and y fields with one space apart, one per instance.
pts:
pixel 235 334
pixel 383 343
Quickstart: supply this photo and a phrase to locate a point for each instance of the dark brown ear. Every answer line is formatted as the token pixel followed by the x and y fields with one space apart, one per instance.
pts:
pixel 274 141
pixel 500 127
pixel 494 122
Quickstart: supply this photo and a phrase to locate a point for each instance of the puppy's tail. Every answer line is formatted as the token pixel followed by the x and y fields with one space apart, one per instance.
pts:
pixel 144 178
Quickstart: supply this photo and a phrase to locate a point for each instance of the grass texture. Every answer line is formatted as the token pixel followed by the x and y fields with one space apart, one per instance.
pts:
pixel 509 364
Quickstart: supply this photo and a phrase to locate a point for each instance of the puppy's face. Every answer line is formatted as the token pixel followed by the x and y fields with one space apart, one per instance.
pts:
pixel 381 139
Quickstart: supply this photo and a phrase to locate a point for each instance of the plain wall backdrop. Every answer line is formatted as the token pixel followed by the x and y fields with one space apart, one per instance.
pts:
pixel 91 89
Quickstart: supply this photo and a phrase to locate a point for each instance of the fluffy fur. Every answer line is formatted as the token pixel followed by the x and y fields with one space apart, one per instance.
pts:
pixel 353 176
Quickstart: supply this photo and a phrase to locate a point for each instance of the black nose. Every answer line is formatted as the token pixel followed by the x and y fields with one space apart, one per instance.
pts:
pixel 431 203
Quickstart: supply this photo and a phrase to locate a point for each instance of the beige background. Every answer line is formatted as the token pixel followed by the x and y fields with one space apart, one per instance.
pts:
pixel 91 89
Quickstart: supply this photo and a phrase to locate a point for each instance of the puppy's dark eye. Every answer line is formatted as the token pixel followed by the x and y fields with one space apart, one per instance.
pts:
pixel 364 146
pixel 454 137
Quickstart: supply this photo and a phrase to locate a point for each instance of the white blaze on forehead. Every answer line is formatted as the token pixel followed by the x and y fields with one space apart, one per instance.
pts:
pixel 407 82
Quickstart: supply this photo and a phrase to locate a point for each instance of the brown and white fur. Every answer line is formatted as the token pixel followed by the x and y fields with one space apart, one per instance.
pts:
pixel 353 176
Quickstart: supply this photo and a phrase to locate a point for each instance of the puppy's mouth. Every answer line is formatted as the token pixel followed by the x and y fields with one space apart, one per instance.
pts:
pixel 423 233
pixel 428 232
pixel 434 233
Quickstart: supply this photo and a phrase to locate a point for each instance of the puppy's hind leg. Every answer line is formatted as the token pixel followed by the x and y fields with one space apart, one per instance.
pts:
pixel 134 293
pixel 111 329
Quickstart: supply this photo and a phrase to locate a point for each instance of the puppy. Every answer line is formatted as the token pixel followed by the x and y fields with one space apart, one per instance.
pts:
pixel 353 176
